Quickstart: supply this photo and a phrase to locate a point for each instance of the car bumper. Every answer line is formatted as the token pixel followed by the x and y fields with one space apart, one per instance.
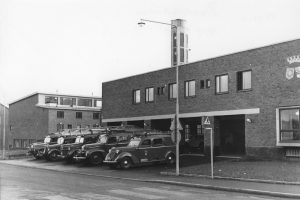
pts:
pixel 79 158
pixel 110 161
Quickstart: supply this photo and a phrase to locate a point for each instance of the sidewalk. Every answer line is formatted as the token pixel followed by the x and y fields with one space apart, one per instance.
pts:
pixel 151 174
pixel 258 170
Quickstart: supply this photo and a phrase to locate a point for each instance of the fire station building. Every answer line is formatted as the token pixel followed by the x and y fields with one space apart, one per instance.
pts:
pixel 251 98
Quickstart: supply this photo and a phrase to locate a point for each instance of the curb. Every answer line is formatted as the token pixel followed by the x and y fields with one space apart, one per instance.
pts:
pixel 178 183
pixel 233 179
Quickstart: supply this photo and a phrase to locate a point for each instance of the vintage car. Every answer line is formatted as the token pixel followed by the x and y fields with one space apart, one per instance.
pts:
pixel 68 151
pixel 96 152
pixel 51 151
pixel 140 150
pixel 36 149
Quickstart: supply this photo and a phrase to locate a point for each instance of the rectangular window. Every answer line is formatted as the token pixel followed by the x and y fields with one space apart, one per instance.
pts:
pixel 78 115
pixel 208 83
pixel 69 126
pixel 175 56
pixel 17 143
pixel 97 103
pixel 222 83
pixel 136 96
pixel 51 99
pixel 244 80
pixel 187 132
pixel 85 102
pixel 60 114
pixel 202 84
pixel 25 143
pixel 60 127
pixel 181 54
pixel 199 129
pixel 96 115
pixel 66 101
pixel 149 94
pixel 289 125
pixel 172 91
pixel 189 88
pixel 181 39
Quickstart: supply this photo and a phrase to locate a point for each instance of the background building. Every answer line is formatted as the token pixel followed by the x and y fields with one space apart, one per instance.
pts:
pixel 4 112
pixel 34 116
pixel 252 99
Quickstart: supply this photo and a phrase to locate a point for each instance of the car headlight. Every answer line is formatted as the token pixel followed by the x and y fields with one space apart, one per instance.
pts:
pixel 117 151
pixel 82 148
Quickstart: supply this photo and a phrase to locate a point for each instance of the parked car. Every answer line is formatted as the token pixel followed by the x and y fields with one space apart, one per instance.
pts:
pixel 36 149
pixel 96 152
pixel 145 149
pixel 51 151
pixel 68 151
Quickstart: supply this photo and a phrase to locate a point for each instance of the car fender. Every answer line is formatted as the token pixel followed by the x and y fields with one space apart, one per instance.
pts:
pixel 168 153
pixel 134 159
pixel 89 153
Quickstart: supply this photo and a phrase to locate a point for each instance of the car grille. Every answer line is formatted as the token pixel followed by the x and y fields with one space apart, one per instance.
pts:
pixel 111 156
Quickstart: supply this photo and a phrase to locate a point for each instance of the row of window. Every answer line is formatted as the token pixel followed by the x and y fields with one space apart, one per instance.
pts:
pixel 22 143
pixel 61 114
pixel 61 126
pixel 69 101
pixel 244 83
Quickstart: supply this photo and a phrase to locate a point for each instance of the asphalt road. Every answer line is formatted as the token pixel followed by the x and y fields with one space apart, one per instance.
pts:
pixel 23 183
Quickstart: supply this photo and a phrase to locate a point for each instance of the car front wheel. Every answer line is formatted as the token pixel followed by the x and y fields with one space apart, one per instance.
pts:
pixel 126 163
pixel 96 159
pixel 53 156
pixel 171 159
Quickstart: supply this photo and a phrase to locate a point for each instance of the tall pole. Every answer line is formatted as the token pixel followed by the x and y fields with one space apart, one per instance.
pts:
pixel 141 23
pixel 3 152
pixel 177 122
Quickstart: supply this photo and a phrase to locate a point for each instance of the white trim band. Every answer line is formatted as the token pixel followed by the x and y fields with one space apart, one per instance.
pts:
pixel 185 115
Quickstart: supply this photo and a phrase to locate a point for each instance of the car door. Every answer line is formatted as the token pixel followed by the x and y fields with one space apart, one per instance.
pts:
pixel 157 149
pixel 143 150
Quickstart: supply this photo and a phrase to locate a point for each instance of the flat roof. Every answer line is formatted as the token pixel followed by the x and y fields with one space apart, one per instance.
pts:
pixel 53 94
pixel 207 59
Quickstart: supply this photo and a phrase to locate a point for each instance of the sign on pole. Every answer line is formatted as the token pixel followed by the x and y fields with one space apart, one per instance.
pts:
pixel 207 122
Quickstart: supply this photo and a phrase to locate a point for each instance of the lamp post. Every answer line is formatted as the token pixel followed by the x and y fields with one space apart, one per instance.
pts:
pixel 142 23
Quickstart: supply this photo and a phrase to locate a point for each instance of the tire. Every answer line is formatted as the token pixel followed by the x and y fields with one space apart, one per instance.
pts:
pixel 96 159
pixel 53 156
pixel 171 159
pixel 126 163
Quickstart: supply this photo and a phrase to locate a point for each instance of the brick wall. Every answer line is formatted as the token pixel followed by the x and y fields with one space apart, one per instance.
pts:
pixel 27 120
pixel 70 118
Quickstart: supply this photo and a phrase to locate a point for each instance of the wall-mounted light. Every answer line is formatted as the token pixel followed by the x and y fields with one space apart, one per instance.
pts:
pixel 249 120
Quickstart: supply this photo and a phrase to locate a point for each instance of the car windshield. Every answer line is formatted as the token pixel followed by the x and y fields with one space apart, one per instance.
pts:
pixel 47 139
pixel 134 143
pixel 60 140
pixel 103 139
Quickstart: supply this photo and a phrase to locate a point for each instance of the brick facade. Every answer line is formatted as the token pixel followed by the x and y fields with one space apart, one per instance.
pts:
pixel 270 90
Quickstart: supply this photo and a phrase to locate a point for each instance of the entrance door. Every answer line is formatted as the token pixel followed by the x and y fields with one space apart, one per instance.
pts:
pixel 232 135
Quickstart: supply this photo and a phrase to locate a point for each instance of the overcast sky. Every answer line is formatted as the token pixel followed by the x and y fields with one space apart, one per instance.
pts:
pixel 72 46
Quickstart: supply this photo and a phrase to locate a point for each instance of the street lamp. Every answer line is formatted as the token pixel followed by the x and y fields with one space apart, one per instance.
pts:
pixel 141 24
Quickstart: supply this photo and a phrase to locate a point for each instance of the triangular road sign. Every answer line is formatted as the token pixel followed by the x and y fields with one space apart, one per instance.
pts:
pixel 207 122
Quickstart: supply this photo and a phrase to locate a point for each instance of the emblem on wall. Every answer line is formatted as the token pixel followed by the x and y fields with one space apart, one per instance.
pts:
pixel 291 71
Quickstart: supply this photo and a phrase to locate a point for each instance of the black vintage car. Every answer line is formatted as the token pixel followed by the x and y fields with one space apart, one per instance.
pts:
pixel 51 151
pixel 68 151
pixel 146 149
pixel 37 149
pixel 96 152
